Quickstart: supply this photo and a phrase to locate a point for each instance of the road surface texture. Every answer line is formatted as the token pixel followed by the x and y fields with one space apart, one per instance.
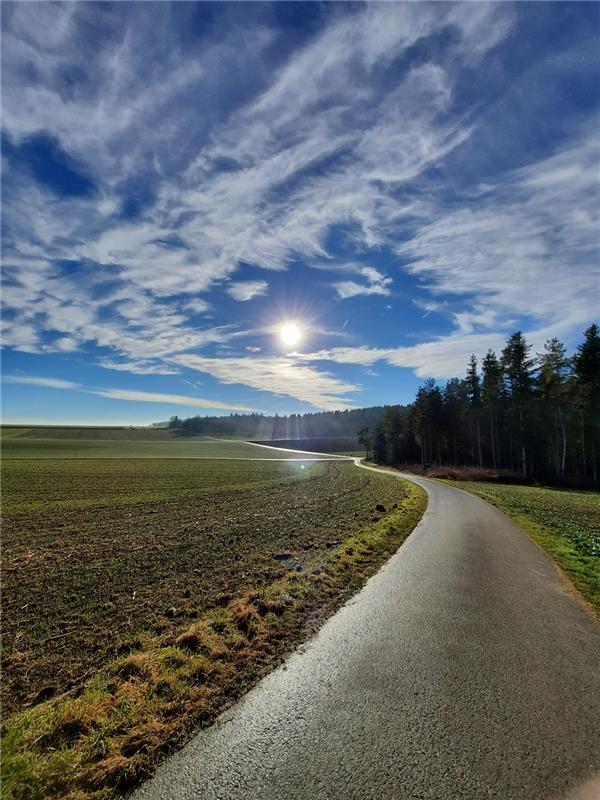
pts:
pixel 465 668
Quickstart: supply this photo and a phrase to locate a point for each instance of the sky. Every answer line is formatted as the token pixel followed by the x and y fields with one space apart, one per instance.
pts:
pixel 408 183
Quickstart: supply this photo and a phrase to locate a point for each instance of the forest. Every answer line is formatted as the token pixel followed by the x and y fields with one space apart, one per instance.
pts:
pixel 325 424
pixel 536 416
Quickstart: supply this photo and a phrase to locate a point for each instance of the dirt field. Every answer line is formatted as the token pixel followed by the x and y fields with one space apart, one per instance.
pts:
pixel 98 553
pixel 143 594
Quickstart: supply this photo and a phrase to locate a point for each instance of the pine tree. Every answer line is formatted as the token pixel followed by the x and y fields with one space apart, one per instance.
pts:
pixel 586 363
pixel 394 426
pixel 519 371
pixel 492 393
pixel 456 410
pixel 474 395
pixel 364 440
pixel 553 381
pixel 379 444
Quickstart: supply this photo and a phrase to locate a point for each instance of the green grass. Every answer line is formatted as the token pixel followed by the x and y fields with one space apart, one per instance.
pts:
pixel 77 443
pixel 141 596
pixel 565 523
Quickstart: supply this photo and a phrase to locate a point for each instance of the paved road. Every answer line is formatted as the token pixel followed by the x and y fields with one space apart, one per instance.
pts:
pixel 463 670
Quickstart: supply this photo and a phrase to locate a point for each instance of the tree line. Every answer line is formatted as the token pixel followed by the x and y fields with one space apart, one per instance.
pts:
pixel 325 424
pixel 533 414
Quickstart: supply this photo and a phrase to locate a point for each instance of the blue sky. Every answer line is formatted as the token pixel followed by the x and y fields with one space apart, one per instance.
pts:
pixel 409 182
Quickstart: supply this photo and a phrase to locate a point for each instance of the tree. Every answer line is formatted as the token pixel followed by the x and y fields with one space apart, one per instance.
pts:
pixel 394 428
pixel 586 363
pixel 492 393
pixel 364 440
pixel 456 410
pixel 474 395
pixel 427 420
pixel 553 381
pixel 379 444
pixel 519 375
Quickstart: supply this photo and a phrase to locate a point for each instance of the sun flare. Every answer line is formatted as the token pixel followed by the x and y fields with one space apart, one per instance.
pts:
pixel 290 334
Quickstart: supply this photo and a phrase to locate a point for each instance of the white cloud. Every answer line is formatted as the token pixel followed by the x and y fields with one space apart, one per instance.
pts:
pixel 281 376
pixel 203 221
pixel 443 357
pixel 347 289
pixel 525 245
pixel 127 394
pixel 168 399
pixel 138 367
pixel 197 306
pixel 246 290
pixel 528 247
pixel 377 283
pixel 48 383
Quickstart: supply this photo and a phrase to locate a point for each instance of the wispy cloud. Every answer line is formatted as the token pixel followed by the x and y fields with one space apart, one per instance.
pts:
pixel 442 357
pixel 376 283
pixel 281 376
pixel 48 383
pixel 168 399
pixel 271 205
pixel 364 133
pixel 138 367
pixel 246 290
pixel 128 394
pixel 525 247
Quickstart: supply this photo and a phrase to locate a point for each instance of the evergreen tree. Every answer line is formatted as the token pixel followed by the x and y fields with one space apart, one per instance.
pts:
pixel 379 444
pixel 456 410
pixel 519 371
pixel 553 381
pixel 428 421
pixel 586 364
pixel 492 394
pixel 394 427
pixel 364 440
pixel 474 395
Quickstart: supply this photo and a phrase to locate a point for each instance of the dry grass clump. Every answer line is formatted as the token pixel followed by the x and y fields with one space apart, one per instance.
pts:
pixel 245 617
pixel 136 665
pixel 147 702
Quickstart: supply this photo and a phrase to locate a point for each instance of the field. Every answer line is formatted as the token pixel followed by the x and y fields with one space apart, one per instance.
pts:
pixel 142 595
pixel 565 523
pixel 49 442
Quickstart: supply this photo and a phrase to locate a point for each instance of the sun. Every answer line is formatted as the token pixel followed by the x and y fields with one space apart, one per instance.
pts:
pixel 291 334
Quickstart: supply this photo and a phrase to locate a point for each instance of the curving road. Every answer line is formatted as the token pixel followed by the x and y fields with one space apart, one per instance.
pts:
pixel 465 669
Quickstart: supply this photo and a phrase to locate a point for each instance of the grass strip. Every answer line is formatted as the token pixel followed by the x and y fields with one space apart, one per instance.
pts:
pixel 111 735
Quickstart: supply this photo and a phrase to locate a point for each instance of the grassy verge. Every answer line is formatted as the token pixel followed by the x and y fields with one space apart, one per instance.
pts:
pixel 564 523
pixel 109 734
